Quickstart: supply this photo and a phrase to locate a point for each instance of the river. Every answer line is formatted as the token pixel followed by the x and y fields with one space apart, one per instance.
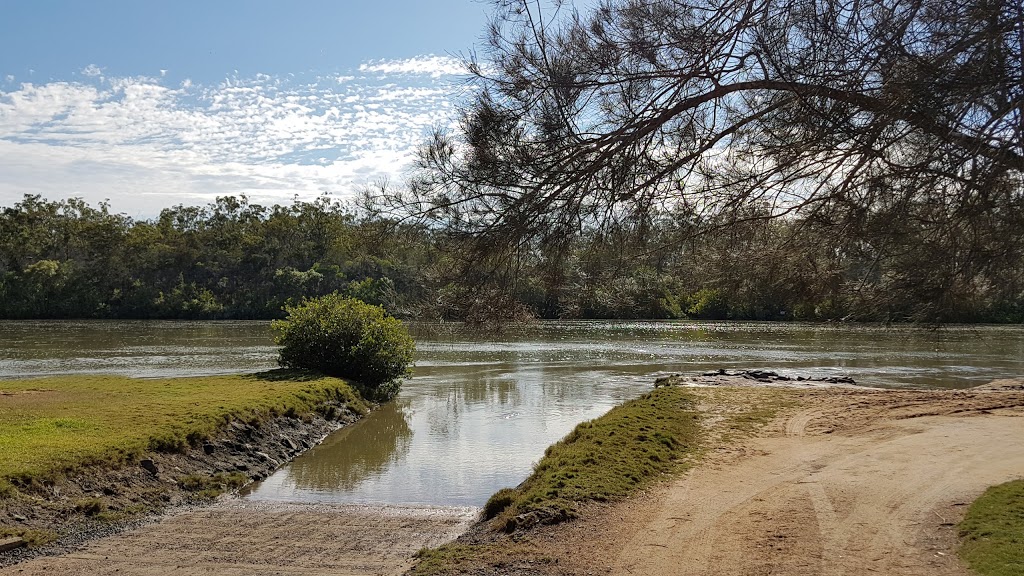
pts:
pixel 482 407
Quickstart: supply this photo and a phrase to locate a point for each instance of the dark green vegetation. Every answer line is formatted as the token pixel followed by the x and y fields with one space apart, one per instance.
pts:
pixel 993 531
pixel 347 338
pixel 233 259
pixel 56 426
pixel 882 136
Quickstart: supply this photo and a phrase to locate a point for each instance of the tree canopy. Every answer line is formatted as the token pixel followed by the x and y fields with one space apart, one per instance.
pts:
pixel 895 125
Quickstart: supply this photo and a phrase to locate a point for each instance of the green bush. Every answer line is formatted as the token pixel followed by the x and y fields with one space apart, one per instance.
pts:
pixel 347 338
pixel 708 304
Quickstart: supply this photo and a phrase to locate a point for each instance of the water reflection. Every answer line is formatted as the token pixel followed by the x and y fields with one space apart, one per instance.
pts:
pixel 350 456
pixel 482 407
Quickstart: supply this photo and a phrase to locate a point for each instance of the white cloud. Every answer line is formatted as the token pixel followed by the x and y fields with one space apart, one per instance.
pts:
pixel 9 77
pixel 145 145
pixel 92 71
pixel 433 66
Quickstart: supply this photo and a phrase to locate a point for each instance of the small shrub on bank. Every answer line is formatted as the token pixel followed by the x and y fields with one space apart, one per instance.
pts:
pixel 346 338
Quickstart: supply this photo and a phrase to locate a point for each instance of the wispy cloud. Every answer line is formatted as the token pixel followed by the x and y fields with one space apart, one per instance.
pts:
pixel 92 71
pixel 145 144
pixel 433 66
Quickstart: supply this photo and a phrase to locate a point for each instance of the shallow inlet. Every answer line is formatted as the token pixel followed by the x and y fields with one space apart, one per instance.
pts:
pixel 483 406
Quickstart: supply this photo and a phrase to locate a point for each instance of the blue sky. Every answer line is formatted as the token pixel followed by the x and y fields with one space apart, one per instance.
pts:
pixel 151 104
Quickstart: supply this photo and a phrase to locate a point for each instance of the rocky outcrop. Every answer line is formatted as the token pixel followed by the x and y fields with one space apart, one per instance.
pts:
pixel 722 377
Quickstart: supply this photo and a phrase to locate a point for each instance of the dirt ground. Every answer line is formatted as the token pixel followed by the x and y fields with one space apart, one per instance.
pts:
pixel 848 481
pixel 238 537
pixel 851 482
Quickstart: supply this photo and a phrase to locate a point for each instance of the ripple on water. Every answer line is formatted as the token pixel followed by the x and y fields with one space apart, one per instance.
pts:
pixel 482 407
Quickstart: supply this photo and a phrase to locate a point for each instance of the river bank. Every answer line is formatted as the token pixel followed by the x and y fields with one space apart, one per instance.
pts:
pixel 839 481
pixel 809 481
pixel 86 458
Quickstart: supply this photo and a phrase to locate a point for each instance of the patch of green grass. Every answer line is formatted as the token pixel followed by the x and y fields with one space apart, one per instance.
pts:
pixel 499 502
pixel 456 558
pixel 213 486
pixel 605 459
pixel 33 538
pixel 993 531
pixel 445 559
pixel 7 490
pixel 90 507
pixel 53 426
pixel 126 513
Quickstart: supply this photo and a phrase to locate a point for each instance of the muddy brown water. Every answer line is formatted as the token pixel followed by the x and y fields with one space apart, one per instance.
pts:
pixel 482 406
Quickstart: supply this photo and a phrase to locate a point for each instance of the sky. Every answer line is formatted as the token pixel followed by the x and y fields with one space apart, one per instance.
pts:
pixel 150 104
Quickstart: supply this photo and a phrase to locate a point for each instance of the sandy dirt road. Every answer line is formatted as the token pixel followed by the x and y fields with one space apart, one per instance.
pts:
pixel 853 482
pixel 237 538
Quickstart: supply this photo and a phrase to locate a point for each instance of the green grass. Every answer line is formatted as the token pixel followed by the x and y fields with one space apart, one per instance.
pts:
pixel 34 538
pixel 607 459
pixel 601 460
pixel 447 558
pixel 212 486
pixel 993 531
pixel 53 426
pixel 604 459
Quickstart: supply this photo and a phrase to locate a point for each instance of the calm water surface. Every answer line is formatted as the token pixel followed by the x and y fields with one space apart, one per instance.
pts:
pixel 482 407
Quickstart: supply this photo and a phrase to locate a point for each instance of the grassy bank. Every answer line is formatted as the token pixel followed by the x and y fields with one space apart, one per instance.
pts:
pixel 603 459
pixel 993 531
pixel 660 434
pixel 53 426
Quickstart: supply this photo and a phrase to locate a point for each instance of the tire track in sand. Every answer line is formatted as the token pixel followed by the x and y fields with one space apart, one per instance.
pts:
pixel 871 501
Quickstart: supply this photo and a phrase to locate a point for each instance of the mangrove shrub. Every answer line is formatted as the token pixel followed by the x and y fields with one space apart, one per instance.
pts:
pixel 346 338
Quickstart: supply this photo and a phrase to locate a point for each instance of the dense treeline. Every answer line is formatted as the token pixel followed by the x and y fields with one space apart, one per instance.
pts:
pixel 235 259
pixel 231 259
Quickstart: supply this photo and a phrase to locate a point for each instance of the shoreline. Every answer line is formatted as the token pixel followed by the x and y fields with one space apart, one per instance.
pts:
pixel 745 507
pixel 102 500
pixel 751 472
pixel 237 536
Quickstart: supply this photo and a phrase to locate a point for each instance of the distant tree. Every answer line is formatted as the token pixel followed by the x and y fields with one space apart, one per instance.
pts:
pixel 897 124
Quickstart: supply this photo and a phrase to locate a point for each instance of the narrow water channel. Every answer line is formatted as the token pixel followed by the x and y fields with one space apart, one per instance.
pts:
pixel 482 407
